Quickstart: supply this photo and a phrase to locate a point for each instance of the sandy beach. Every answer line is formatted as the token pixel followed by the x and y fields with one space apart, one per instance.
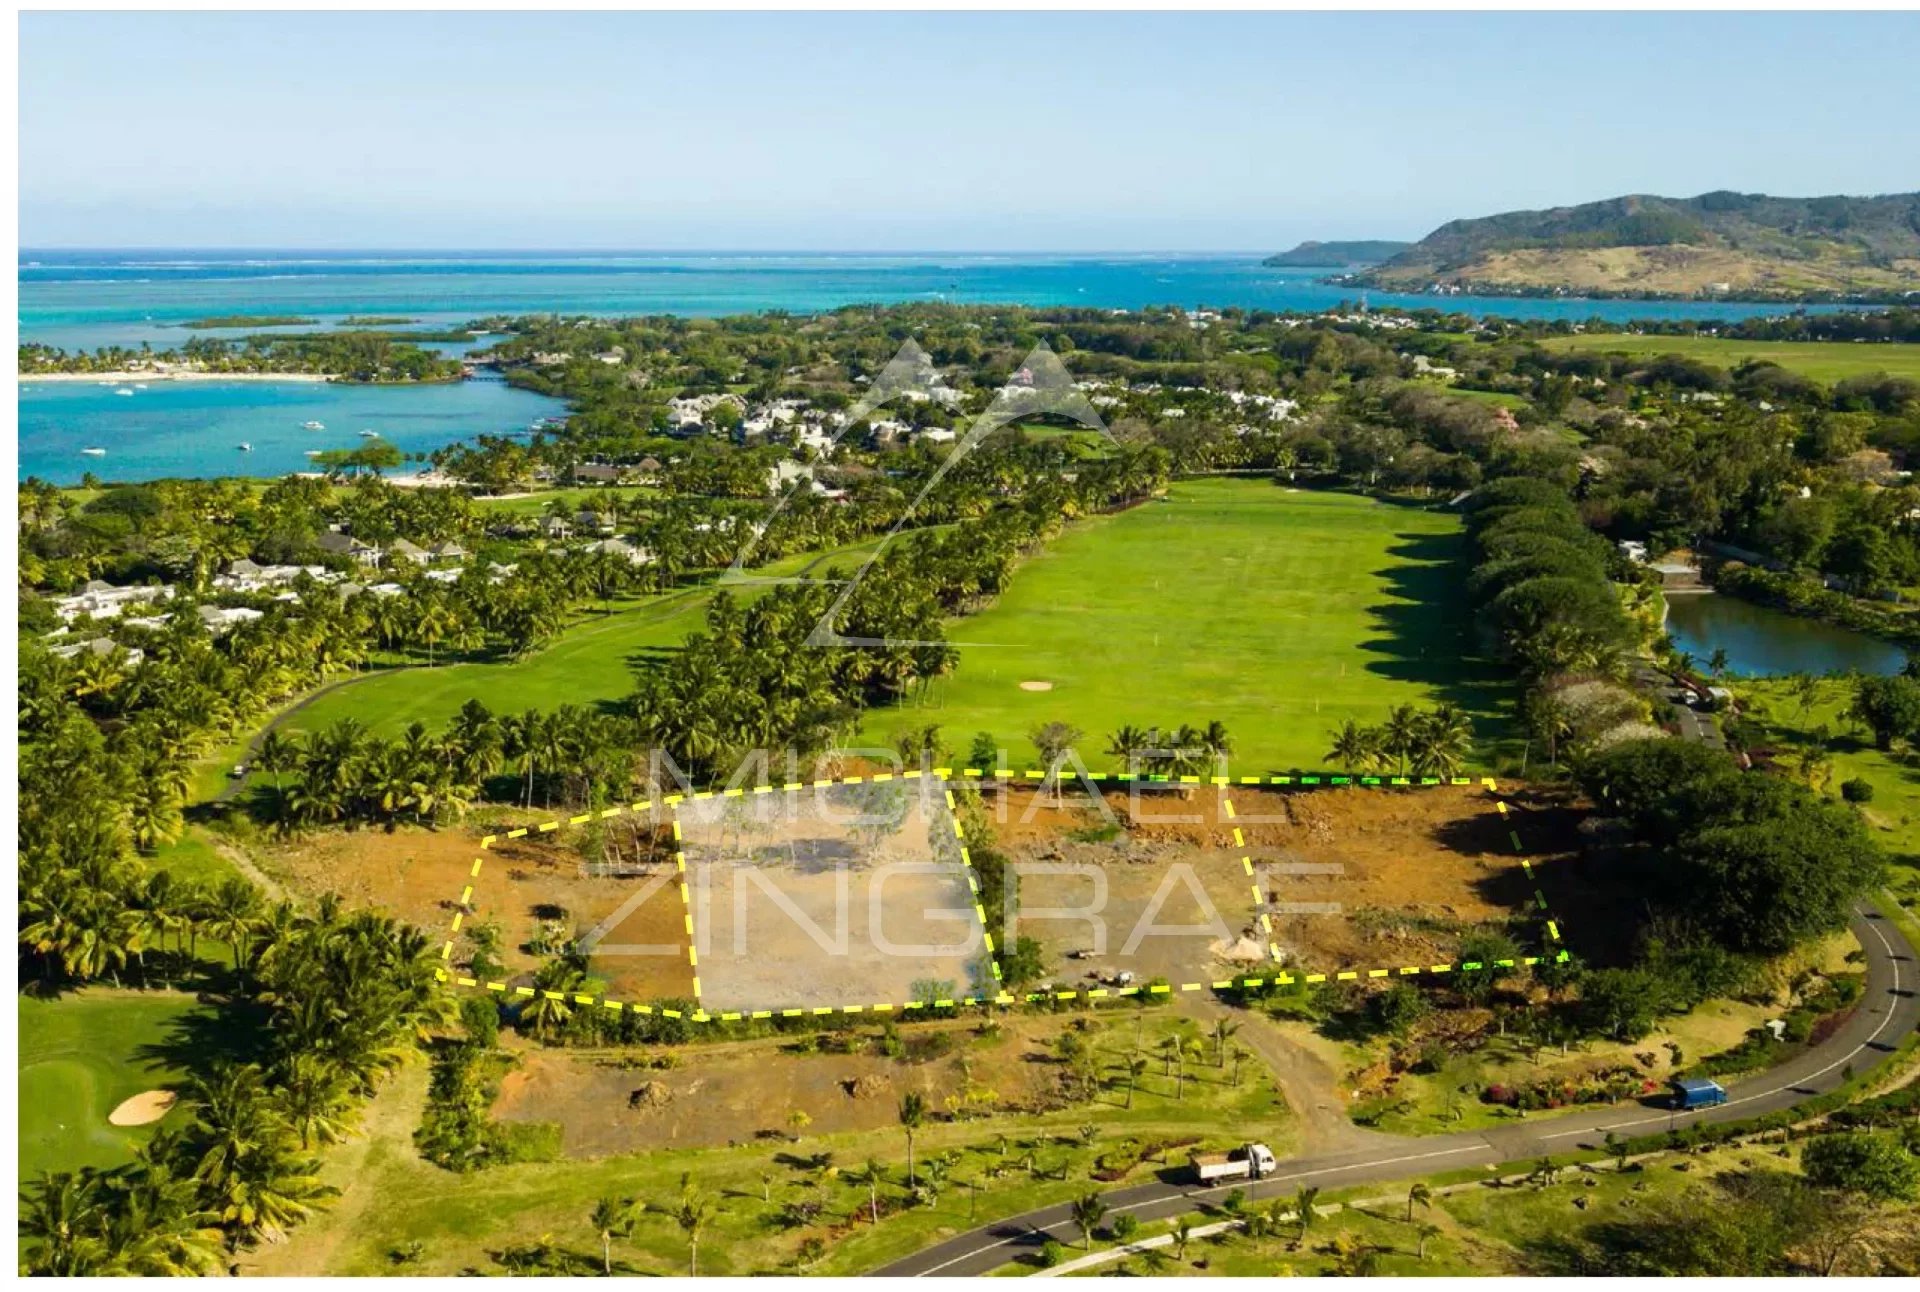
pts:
pixel 129 378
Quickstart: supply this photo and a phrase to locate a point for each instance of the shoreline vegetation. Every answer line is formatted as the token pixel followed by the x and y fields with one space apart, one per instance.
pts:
pixel 363 358
pixel 251 320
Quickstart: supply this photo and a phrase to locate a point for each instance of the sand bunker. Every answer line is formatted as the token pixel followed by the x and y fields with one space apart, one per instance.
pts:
pixel 144 1108
pixel 1036 686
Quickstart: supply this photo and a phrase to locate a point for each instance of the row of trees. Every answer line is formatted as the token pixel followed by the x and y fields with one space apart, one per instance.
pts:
pixel 1436 742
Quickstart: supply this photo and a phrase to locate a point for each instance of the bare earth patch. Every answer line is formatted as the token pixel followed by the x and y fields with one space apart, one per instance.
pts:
pixel 1036 686
pixel 1350 877
pixel 831 896
pixel 740 1092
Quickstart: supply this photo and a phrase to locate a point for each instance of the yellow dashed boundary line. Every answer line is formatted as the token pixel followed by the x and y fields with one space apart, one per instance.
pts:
pixel 945 774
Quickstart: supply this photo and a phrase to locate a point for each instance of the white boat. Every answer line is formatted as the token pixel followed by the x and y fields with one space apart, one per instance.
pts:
pixel 93 453
pixel 124 390
pixel 313 426
pixel 313 453
pixel 244 447
pixel 369 435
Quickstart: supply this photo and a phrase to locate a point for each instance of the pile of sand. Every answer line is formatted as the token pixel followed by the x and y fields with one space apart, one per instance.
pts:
pixel 143 1109
pixel 1036 686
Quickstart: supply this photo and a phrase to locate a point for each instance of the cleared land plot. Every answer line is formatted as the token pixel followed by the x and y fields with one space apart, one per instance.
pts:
pixel 1146 883
pixel 1280 613
pixel 831 896
pixel 1382 878
pixel 412 875
pixel 1351 879
pixel 1826 361
pixel 610 889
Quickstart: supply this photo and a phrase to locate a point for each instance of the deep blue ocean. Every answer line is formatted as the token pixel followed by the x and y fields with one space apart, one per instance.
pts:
pixel 84 300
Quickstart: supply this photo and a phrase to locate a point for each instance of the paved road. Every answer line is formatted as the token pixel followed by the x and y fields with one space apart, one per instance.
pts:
pixel 1889 1010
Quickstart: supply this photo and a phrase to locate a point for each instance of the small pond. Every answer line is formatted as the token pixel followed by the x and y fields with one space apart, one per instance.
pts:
pixel 1763 642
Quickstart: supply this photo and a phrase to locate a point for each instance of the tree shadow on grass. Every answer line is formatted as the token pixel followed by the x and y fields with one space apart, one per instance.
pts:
pixel 1429 639
pixel 197 1041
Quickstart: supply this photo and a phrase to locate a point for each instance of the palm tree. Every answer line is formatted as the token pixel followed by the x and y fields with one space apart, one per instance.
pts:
pixel 1224 1030
pixel 62 1213
pixel 235 915
pixel 1419 1195
pixel 1400 737
pixel 1126 744
pixel 1218 745
pixel 313 1095
pixel 692 1213
pixel 913 1113
pixel 1182 1235
pixel 612 1217
pixel 1303 1213
pixel 1354 746
pixel 1424 1232
pixel 1088 1212
pixel 871 1175
pixel 276 755
pixel 1445 740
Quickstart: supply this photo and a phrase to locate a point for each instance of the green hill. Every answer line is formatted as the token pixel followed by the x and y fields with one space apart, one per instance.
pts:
pixel 1728 244
pixel 1321 255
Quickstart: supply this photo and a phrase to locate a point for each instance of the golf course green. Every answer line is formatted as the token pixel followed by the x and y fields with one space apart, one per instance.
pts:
pixel 81 1055
pixel 1279 612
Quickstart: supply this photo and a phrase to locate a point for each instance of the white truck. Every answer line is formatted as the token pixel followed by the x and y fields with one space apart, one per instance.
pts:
pixel 1248 1162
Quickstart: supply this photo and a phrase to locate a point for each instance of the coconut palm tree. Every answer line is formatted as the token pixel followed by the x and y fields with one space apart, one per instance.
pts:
pixel 691 1214
pixel 1445 740
pixel 1127 744
pixel 912 1115
pixel 1418 1195
pixel 1303 1213
pixel 1088 1211
pixel 612 1218
pixel 61 1215
pixel 234 916
pixel 1354 747
pixel 1401 736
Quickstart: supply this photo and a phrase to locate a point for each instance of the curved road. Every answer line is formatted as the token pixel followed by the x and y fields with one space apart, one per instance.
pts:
pixel 1889 1009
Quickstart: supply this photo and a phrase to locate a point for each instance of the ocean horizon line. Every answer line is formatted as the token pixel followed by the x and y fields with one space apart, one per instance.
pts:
pixel 470 252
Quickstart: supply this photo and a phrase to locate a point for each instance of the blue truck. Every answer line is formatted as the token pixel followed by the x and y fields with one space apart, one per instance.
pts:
pixel 1697 1092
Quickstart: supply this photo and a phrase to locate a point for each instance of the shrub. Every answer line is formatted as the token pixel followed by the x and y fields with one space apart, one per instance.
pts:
pixel 1857 790
pixel 1125 1226
pixel 1051 1254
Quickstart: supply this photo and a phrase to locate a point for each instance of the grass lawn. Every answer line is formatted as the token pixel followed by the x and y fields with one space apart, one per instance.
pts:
pixel 1827 361
pixel 193 858
pixel 536 503
pixel 589 664
pixel 81 1055
pixel 1282 614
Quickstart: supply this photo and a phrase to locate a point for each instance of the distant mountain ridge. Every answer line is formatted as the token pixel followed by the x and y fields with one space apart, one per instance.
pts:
pixel 1717 244
pixel 1328 254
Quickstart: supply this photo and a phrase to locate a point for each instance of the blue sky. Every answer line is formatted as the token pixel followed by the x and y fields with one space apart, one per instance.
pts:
pixel 861 131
